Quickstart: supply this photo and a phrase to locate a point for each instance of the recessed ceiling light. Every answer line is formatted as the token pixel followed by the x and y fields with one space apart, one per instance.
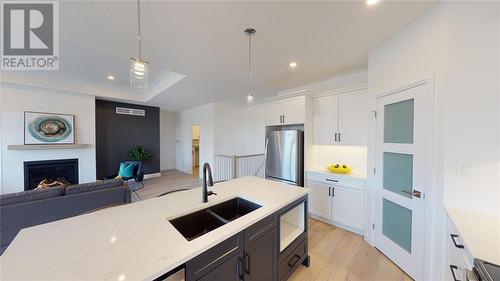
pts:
pixel 111 77
pixel 293 64
pixel 371 2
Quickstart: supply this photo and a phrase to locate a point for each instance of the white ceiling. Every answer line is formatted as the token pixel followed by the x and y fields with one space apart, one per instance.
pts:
pixel 205 42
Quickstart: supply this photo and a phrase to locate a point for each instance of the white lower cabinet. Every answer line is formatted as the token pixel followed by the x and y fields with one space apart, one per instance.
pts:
pixel 337 200
pixel 459 258
pixel 320 201
pixel 347 207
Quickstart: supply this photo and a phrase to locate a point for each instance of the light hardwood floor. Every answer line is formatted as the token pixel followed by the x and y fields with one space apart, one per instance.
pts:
pixel 169 180
pixel 337 254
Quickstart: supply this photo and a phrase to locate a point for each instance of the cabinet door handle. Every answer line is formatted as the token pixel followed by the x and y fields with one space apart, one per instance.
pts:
pixel 335 137
pixel 453 236
pixel 339 137
pixel 333 191
pixel 241 263
pixel 453 268
pixel 283 119
pixel 329 191
pixel 247 263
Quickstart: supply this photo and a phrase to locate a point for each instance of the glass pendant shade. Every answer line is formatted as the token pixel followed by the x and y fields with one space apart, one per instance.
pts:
pixel 139 73
pixel 250 99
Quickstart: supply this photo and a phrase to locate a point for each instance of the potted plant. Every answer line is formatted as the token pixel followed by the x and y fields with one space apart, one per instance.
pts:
pixel 138 153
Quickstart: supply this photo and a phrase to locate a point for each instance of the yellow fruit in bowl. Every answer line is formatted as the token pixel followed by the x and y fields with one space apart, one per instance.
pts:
pixel 339 168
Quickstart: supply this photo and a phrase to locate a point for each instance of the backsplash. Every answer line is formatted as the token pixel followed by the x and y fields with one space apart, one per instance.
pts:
pixel 355 156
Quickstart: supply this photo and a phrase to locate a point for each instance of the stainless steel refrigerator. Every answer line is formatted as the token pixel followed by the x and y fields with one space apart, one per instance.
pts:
pixel 285 156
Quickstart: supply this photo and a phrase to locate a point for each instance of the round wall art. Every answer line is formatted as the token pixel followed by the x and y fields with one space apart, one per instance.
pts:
pixel 48 128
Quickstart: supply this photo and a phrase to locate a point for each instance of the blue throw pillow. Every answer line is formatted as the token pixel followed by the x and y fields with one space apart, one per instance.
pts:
pixel 126 170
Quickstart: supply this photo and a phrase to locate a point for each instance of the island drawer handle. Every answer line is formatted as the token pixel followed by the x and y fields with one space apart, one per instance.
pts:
pixel 241 261
pixel 295 259
pixel 453 236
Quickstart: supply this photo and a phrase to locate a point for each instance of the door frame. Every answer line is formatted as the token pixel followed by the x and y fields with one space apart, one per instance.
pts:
pixel 432 197
pixel 191 148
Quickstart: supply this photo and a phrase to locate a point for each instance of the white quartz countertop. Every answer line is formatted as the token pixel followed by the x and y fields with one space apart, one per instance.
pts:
pixel 479 231
pixel 353 174
pixel 134 241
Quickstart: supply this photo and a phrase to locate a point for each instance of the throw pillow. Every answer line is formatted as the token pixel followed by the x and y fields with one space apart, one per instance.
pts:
pixel 126 170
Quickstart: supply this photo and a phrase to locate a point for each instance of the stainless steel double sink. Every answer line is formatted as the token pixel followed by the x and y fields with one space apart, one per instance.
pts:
pixel 198 223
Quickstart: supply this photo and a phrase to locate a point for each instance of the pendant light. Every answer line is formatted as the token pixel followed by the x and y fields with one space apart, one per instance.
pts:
pixel 249 97
pixel 139 68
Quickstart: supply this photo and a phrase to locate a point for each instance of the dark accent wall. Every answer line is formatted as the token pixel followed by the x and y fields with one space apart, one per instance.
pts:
pixel 117 133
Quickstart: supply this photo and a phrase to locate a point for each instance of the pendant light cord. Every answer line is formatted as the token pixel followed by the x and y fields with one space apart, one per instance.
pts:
pixel 139 28
pixel 250 64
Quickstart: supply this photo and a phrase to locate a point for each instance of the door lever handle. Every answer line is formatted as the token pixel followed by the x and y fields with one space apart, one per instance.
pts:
pixel 415 193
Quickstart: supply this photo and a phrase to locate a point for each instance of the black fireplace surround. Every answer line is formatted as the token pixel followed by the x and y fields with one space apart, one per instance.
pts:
pixel 36 171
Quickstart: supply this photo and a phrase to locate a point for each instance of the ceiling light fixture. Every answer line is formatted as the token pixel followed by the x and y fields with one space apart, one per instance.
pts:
pixel 139 68
pixel 293 64
pixel 111 77
pixel 371 2
pixel 250 99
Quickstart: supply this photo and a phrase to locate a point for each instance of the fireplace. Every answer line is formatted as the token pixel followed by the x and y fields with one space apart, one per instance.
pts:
pixel 37 171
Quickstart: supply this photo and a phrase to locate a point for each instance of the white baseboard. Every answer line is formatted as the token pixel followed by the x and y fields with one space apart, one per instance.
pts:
pixel 153 175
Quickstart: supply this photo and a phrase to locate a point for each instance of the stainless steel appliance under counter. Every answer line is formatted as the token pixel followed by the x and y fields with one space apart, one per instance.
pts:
pixel 285 156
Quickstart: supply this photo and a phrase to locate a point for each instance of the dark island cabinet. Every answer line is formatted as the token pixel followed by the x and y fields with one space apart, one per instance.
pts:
pixel 260 258
pixel 231 269
pixel 251 255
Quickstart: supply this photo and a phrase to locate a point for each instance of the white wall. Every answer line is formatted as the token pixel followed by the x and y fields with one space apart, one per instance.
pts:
pixel 167 139
pixel 457 43
pixel 224 129
pixel 203 116
pixel 471 107
pixel 14 100
pixel 239 129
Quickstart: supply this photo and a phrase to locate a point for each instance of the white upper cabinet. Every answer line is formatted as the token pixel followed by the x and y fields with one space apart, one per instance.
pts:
pixel 325 119
pixel 286 112
pixel 274 113
pixel 294 110
pixel 353 118
pixel 341 119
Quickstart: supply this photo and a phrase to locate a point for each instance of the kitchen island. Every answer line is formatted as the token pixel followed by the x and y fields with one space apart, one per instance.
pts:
pixel 137 241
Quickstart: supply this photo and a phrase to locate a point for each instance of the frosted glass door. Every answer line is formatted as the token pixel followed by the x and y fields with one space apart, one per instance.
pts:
pixel 400 165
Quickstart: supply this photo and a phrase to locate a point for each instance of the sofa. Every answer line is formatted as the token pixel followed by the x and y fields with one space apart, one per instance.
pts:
pixel 29 208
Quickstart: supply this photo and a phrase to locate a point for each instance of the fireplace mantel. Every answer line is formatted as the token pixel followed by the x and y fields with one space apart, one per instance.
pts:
pixel 45 146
